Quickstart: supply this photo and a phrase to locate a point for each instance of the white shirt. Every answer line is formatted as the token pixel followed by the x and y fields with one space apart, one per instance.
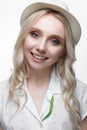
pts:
pixel 28 117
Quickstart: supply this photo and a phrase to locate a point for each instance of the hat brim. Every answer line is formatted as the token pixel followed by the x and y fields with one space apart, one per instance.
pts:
pixel 74 24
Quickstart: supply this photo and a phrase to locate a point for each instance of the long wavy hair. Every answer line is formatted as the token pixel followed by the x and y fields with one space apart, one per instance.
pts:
pixel 64 67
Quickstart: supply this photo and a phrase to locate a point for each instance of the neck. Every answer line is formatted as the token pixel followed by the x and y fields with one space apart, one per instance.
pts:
pixel 39 78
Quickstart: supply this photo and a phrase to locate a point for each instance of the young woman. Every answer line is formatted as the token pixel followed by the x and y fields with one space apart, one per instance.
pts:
pixel 43 92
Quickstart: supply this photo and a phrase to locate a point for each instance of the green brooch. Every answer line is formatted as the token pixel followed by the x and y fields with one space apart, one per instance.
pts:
pixel 50 109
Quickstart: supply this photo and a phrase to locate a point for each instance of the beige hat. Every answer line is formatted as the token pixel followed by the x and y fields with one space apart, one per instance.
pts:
pixel 56 5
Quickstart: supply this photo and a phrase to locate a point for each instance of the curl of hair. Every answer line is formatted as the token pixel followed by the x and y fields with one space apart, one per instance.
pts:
pixel 66 72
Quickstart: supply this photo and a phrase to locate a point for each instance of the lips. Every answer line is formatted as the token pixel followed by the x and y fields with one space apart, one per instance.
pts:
pixel 39 57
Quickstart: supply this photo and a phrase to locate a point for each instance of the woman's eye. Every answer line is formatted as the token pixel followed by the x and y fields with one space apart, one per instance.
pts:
pixel 34 34
pixel 55 41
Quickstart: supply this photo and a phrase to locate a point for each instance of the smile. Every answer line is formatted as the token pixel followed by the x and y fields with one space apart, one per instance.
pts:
pixel 39 57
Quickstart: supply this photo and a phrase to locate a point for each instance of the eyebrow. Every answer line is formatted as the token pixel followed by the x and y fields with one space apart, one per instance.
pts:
pixel 53 35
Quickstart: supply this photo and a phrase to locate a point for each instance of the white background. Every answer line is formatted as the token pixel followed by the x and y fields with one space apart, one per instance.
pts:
pixel 10 12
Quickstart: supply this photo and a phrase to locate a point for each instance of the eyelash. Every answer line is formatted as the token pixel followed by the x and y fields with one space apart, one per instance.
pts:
pixel 34 34
pixel 55 41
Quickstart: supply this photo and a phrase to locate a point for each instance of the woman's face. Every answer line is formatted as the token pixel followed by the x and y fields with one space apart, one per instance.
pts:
pixel 44 44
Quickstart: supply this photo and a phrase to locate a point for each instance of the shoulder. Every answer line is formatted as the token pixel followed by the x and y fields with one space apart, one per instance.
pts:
pixel 4 89
pixel 81 91
pixel 4 86
pixel 80 83
pixel 81 94
pixel 80 87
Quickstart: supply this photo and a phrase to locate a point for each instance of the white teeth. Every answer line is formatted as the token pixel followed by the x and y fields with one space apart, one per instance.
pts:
pixel 39 57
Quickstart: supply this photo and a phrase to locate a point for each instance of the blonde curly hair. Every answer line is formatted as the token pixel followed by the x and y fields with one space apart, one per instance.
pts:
pixel 64 67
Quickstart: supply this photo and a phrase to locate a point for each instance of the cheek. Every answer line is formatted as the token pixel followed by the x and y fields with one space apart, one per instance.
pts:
pixel 57 53
pixel 28 44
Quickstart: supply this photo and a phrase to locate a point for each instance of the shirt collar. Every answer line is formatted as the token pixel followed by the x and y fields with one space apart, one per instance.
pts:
pixel 54 86
pixel 53 89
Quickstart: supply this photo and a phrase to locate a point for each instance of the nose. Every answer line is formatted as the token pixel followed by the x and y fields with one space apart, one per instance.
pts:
pixel 42 46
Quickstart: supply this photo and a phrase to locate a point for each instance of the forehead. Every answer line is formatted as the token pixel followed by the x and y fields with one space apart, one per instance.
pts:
pixel 51 24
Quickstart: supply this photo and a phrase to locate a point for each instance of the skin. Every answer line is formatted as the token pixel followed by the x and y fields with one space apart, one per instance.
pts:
pixel 84 124
pixel 44 43
pixel 1 128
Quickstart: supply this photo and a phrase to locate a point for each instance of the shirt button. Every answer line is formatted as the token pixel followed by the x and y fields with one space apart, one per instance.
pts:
pixel 41 125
